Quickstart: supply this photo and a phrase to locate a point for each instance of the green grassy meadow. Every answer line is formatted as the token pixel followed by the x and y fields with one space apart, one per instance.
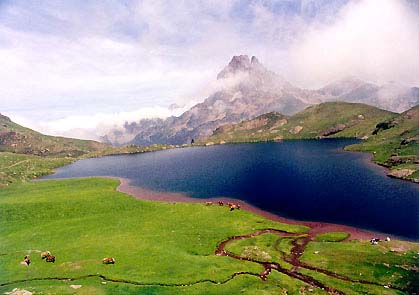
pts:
pixel 159 247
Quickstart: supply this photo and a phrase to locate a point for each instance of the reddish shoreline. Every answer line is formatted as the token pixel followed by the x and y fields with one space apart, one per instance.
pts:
pixel 316 227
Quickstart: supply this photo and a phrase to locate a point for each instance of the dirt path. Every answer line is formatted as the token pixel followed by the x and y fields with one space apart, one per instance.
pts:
pixel 15 164
pixel 108 279
pixel 299 245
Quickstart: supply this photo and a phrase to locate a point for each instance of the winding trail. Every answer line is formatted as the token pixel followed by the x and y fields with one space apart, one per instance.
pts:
pixel 104 278
pixel 15 164
pixel 299 245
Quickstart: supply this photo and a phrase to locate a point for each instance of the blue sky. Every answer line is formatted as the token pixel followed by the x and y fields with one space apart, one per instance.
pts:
pixel 72 65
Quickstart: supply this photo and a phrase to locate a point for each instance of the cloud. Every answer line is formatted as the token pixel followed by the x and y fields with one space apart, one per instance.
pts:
pixel 96 125
pixel 101 60
pixel 375 40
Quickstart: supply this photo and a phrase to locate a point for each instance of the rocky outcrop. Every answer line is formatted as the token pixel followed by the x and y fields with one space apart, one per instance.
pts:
pixel 334 130
pixel 401 173
pixel 296 129
pixel 253 124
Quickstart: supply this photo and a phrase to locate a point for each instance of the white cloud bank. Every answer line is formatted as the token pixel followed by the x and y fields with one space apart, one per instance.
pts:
pixel 376 40
pixel 76 68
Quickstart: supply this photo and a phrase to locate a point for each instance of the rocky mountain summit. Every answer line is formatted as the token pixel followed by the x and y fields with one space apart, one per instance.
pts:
pixel 249 90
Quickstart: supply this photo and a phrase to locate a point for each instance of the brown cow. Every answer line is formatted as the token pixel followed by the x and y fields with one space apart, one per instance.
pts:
pixel 45 254
pixel 50 258
pixel 221 203
pixel 108 260
pixel 234 206
pixel 26 260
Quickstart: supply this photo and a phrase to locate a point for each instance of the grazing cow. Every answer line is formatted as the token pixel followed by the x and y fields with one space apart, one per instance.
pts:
pixel 208 203
pixel 220 203
pixel 45 254
pixel 108 260
pixel 26 260
pixel 374 241
pixel 50 258
pixel 234 206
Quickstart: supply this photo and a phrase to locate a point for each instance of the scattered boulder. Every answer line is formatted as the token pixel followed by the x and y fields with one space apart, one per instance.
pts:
pixel 253 124
pixel 333 130
pixel 295 130
pixel 401 173
pixel 209 143
pixel 361 117
pixel 279 123
pixel 75 286
pixel 410 140
pixel 395 160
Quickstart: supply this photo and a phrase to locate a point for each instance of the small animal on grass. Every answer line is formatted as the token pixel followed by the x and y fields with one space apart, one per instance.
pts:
pixel 208 203
pixel 45 254
pixel 221 203
pixel 26 260
pixel 108 260
pixel 374 241
pixel 50 258
pixel 233 206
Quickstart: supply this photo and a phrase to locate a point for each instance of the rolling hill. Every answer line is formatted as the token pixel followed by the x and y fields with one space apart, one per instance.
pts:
pixel 26 154
pixel 330 119
pixel 18 139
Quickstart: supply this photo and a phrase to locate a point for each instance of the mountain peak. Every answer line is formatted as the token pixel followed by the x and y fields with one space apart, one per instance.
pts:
pixel 254 60
pixel 240 64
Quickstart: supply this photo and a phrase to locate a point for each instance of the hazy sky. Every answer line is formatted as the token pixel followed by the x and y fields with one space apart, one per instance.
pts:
pixel 66 65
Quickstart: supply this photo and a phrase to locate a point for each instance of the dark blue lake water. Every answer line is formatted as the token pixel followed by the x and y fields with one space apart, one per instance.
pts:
pixel 306 180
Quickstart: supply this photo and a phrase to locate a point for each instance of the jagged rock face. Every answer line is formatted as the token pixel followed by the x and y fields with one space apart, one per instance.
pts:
pixel 255 91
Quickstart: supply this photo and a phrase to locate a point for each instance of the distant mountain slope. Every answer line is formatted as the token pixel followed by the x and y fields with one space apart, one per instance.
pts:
pixel 249 90
pixel 252 90
pixel 18 139
pixel 330 119
pixel 390 96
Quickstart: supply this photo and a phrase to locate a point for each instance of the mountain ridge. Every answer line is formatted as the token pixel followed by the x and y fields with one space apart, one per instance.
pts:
pixel 255 91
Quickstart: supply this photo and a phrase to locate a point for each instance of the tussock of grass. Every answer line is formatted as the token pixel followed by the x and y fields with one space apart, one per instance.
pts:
pixel 332 237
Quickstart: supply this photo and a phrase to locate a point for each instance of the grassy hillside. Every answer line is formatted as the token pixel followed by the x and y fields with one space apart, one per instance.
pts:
pixel 331 119
pixel 395 144
pixel 167 248
pixel 26 154
pixel 18 139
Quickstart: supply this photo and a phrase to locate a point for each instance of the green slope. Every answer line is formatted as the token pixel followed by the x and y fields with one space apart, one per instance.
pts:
pixel 395 144
pixel 26 154
pixel 18 139
pixel 169 248
pixel 331 119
